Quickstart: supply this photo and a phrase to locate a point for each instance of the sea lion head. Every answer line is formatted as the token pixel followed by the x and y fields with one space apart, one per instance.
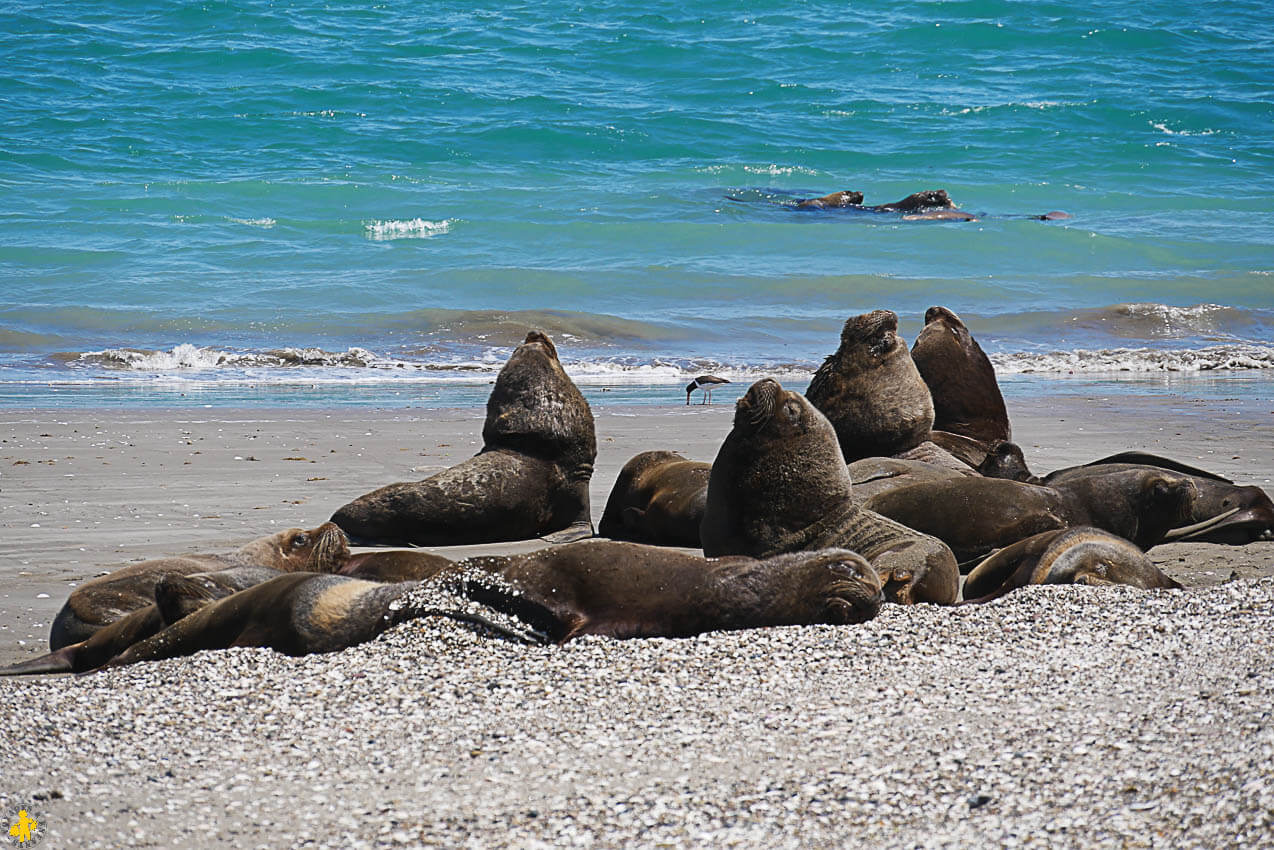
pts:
pixel 318 550
pixel 536 408
pixel 872 391
pixel 1170 496
pixel 931 199
pixel 779 470
pixel 849 589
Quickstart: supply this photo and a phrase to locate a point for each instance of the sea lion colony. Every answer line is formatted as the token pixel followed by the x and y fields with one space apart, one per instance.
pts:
pixel 792 533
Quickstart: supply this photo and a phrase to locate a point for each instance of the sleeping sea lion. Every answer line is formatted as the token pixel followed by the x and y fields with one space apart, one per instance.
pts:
pixel 175 596
pixel 103 600
pixel 530 479
pixel 658 498
pixel 873 475
pixel 961 380
pixel 975 515
pixel 1222 512
pixel 780 484
pixel 1082 555
pixel 628 590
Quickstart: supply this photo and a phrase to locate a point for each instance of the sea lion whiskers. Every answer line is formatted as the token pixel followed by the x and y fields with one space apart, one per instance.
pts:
pixel 758 404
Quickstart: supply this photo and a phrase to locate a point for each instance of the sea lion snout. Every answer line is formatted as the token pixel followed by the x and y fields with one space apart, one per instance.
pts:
pixel 542 339
pixel 878 330
pixel 856 593
pixel 758 404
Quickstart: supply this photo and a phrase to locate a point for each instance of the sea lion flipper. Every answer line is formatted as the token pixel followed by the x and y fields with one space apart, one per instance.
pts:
pixel 61 661
pixel 178 596
pixel 579 530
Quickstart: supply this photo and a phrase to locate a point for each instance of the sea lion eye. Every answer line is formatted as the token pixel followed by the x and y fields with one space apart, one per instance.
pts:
pixel 300 540
pixel 793 411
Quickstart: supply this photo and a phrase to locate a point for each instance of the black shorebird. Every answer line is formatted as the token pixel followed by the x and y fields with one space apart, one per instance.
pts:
pixel 705 383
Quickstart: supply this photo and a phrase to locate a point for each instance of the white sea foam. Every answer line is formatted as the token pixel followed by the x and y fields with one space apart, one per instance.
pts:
pixel 266 223
pixel 415 228
pixel 1210 359
pixel 1164 128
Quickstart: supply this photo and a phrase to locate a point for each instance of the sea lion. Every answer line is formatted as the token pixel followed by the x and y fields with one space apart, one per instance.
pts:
pixel 1082 555
pixel 1223 512
pixel 873 475
pixel 101 601
pixel 530 479
pixel 658 498
pixel 628 590
pixel 780 484
pixel 961 380
pixel 395 565
pixel 175 596
pixel 871 391
pixel 930 199
pixel 836 200
pixel 1006 460
pixel 975 515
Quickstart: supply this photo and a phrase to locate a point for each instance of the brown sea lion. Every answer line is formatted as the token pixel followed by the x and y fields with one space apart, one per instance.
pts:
pixel 395 565
pixel 961 380
pixel 628 590
pixel 930 199
pixel 871 391
pixel 658 498
pixel 103 600
pixel 1223 512
pixel 175 596
pixel 780 484
pixel 1006 460
pixel 530 479
pixel 975 515
pixel 835 200
pixel 1082 555
pixel 873 475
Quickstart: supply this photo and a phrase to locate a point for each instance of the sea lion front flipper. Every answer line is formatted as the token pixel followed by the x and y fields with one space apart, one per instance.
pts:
pixel 579 530
pixel 179 596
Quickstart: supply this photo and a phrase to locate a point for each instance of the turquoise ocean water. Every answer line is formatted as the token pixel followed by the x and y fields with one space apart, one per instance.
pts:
pixel 349 203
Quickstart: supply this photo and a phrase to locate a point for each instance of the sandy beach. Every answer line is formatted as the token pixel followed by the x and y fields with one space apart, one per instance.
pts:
pixel 1065 717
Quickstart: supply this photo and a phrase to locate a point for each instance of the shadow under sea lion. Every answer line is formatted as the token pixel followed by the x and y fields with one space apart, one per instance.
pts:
pixel 780 484
pixel 1222 512
pixel 658 498
pixel 103 600
pixel 529 480
pixel 1082 555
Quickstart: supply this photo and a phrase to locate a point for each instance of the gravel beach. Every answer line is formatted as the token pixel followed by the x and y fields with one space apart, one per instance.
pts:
pixel 1054 717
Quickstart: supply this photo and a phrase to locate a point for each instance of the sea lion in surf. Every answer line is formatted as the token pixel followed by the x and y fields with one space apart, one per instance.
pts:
pixel 529 480
pixel 961 380
pixel 918 202
pixel 976 515
pixel 658 498
pixel 103 600
pixel 1082 555
pixel 780 484
pixel 836 200
pixel 627 590
pixel 1222 512
pixel 175 596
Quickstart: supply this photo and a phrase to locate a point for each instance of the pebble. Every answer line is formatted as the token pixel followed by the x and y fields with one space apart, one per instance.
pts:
pixel 1056 716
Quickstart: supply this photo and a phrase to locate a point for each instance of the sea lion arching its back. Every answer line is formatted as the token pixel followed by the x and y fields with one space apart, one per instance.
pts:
pixel 530 479
pixel 966 397
pixel 780 484
pixel 871 391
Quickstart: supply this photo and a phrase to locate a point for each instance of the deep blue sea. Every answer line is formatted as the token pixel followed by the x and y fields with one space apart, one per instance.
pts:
pixel 262 202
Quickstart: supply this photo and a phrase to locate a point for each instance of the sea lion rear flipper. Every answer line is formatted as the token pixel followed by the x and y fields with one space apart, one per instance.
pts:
pixel 61 661
pixel 578 530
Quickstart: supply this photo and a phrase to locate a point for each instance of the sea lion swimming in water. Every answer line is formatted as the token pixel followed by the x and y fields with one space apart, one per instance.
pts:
pixel 1082 555
pixel 529 480
pixel 780 484
pixel 658 498
pixel 103 600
